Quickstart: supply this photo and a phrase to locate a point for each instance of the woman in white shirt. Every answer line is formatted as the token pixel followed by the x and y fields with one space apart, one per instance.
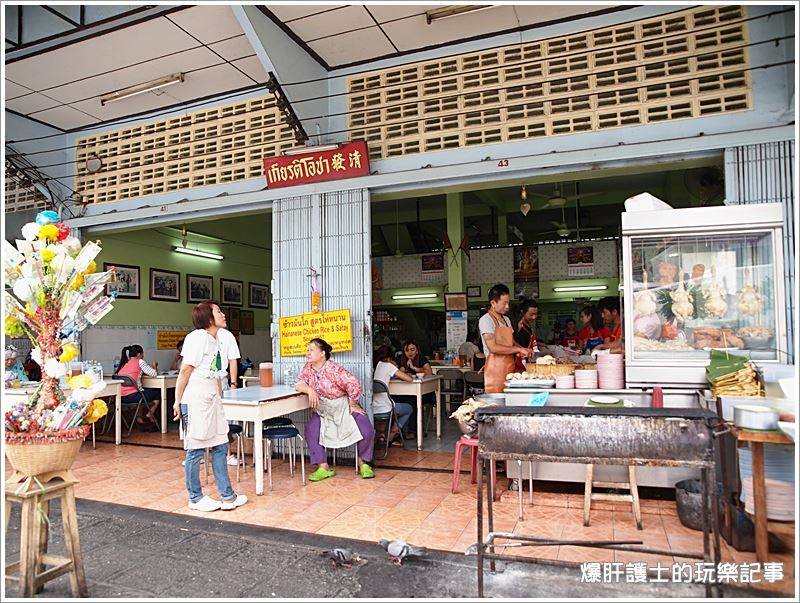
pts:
pixel 198 399
pixel 385 369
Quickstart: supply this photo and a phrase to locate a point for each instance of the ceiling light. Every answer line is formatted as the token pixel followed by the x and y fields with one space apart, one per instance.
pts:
pixel 317 149
pixel 161 82
pixel 415 296
pixel 452 11
pixel 197 252
pixel 580 288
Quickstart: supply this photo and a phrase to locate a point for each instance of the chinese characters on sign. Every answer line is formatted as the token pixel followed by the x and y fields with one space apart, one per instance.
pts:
pixel 687 573
pixel 334 327
pixel 350 160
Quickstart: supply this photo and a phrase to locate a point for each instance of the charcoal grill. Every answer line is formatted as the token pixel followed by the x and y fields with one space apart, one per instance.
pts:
pixel 667 437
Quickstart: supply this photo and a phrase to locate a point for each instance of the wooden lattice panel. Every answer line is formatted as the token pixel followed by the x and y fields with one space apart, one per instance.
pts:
pixel 21 198
pixel 625 75
pixel 213 146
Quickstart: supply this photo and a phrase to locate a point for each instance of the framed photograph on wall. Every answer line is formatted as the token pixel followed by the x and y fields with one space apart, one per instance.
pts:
pixel 127 281
pixel 234 319
pixel 258 296
pixel 248 322
pixel 474 291
pixel 456 301
pixel 231 292
pixel 165 285
pixel 199 288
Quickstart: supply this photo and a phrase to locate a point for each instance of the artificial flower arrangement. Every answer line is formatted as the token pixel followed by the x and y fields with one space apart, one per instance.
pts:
pixel 55 293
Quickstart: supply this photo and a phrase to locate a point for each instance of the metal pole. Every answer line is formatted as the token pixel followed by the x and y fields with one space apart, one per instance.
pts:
pixel 520 483
pixel 480 529
pixel 490 508
pixel 712 478
pixel 530 482
pixel 706 543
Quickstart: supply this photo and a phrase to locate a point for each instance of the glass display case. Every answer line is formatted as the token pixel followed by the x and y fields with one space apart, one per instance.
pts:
pixel 701 279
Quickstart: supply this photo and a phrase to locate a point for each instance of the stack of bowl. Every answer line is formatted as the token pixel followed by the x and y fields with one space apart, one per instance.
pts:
pixel 611 371
pixel 586 379
pixel 565 382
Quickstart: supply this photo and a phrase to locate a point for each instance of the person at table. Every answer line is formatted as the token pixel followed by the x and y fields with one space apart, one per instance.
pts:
pixel 133 365
pixel 385 370
pixel 569 338
pixel 176 362
pixel 610 313
pixel 198 400
pixel 594 331
pixel 525 335
pixel 498 340
pixel 337 419
pixel 413 362
pixel 15 370
pixel 468 349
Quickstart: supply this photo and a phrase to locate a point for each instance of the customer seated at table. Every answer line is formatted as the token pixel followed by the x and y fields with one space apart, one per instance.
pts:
pixel 594 331
pixel 133 365
pixel 385 369
pixel 469 348
pixel 413 362
pixel 337 419
pixel 176 362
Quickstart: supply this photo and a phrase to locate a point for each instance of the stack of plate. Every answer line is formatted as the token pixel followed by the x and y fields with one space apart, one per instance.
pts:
pixel 780 486
pixel 565 382
pixel 611 371
pixel 586 379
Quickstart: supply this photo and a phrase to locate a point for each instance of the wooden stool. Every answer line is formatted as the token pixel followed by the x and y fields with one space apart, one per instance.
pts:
pixel 632 497
pixel 31 569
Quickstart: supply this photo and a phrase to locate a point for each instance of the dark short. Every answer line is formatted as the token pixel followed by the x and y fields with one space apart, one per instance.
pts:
pixel 150 394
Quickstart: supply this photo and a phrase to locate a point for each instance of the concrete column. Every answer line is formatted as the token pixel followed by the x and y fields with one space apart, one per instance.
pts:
pixel 502 227
pixel 456 269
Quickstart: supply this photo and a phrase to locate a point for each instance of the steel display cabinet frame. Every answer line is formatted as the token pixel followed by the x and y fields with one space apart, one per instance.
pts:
pixel 674 369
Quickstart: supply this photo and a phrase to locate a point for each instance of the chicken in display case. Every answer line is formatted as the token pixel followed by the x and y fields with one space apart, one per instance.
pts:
pixel 701 279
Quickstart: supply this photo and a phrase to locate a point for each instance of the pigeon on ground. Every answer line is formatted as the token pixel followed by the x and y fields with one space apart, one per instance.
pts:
pixel 341 557
pixel 399 549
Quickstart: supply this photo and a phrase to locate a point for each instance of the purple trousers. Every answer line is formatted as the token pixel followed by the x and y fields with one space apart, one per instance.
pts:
pixel 317 451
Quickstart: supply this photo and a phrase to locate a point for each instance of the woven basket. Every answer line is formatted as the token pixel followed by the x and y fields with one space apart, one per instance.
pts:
pixel 45 456
pixel 550 370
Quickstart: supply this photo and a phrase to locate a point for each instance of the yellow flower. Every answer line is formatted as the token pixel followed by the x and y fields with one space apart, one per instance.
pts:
pixel 91 268
pixel 48 232
pixel 68 352
pixel 79 382
pixel 77 283
pixel 13 327
pixel 47 255
pixel 97 410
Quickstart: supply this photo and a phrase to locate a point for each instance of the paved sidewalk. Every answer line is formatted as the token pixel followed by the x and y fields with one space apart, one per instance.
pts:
pixel 131 552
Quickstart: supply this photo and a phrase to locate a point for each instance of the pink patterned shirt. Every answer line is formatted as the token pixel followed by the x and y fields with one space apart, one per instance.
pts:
pixel 331 381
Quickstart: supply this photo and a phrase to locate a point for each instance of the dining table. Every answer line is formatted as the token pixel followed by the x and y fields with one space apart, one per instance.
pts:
pixel 418 388
pixel 450 367
pixel 163 382
pixel 256 404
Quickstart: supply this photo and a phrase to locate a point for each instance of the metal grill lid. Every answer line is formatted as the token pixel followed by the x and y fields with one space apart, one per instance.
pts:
pixel 527 411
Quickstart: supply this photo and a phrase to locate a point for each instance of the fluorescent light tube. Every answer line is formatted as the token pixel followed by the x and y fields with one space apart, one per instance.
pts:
pixel 415 296
pixel 162 82
pixel 197 252
pixel 580 288
pixel 452 11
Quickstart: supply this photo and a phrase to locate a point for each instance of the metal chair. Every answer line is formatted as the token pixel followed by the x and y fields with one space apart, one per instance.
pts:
pixel 452 385
pixel 129 382
pixel 284 433
pixel 237 431
pixel 379 387
pixel 473 384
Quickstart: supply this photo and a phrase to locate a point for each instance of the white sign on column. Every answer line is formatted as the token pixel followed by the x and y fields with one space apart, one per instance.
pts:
pixel 456 329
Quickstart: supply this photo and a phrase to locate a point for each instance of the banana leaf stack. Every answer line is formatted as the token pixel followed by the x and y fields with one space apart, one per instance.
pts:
pixel 731 375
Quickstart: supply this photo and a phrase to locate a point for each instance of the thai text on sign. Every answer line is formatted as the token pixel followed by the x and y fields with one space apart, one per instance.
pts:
pixel 168 340
pixel 334 327
pixel 350 160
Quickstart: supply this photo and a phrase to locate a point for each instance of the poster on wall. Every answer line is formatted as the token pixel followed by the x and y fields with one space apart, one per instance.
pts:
pixel 580 261
pixel 168 339
pixel 526 264
pixel 432 264
pixel 456 329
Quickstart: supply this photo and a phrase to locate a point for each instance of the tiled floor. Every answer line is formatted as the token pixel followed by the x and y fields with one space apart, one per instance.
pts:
pixel 416 505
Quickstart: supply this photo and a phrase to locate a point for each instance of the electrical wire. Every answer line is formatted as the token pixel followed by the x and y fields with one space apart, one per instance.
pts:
pixel 584 95
pixel 582 52
pixel 553 153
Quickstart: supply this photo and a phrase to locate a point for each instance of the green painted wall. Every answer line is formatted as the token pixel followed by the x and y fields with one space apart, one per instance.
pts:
pixel 152 248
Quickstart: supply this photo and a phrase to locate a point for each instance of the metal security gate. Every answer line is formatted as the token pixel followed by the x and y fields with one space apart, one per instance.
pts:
pixel 330 233
pixel 764 173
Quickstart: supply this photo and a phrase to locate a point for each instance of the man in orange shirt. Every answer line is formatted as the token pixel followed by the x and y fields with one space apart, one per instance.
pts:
pixel 610 310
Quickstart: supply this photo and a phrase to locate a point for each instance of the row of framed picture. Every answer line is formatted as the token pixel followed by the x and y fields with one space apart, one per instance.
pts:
pixel 240 321
pixel 165 285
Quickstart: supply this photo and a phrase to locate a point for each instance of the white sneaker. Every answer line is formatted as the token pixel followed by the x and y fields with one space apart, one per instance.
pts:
pixel 232 460
pixel 206 504
pixel 228 505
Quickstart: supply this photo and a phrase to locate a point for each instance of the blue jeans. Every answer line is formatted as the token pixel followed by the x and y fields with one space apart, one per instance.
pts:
pixel 404 412
pixel 219 464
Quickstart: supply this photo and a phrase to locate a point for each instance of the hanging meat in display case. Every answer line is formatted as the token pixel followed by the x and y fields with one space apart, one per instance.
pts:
pixel 719 285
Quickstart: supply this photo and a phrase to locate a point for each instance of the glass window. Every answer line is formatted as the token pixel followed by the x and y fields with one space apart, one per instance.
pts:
pixel 695 293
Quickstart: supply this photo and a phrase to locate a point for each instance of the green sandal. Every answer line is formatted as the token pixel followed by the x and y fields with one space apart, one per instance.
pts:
pixel 321 474
pixel 366 471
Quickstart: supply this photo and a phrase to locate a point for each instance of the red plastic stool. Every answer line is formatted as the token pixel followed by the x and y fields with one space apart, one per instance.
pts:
pixel 472 444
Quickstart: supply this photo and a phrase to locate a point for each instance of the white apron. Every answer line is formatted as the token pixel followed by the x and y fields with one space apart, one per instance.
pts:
pixel 338 428
pixel 207 425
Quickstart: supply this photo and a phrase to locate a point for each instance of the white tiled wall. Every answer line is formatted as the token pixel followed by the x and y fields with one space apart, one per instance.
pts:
pixel 487 266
